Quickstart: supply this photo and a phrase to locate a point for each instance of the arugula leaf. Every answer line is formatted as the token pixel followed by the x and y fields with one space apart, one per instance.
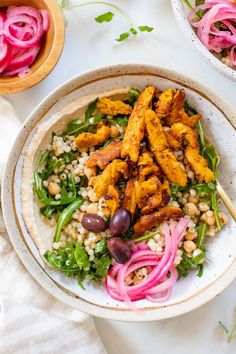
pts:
pixel 101 246
pixel 77 126
pixel 66 216
pixel 48 211
pixel 122 37
pixel 200 270
pixel 211 156
pixel 216 210
pixel 133 96
pixel 107 17
pixel 189 109
pixel 145 29
pixel 188 263
pixel 201 234
pixel 102 265
pixel 81 256
pixel 42 194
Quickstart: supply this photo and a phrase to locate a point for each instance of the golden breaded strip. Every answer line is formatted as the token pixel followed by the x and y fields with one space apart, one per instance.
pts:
pixel 146 166
pixel 144 189
pixel 147 222
pixel 191 121
pixel 112 199
pixel 175 144
pixel 178 114
pixel 182 132
pixel 101 158
pixel 110 176
pixel 160 149
pixel 199 165
pixel 145 159
pixel 113 108
pixel 164 103
pixel 88 140
pixel 129 201
pixel 160 198
pixel 135 129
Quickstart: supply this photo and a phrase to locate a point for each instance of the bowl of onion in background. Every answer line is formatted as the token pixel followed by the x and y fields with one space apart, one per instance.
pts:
pixel 31 42
pixel 211 33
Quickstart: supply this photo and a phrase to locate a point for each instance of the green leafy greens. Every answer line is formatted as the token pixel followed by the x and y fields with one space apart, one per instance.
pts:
pixel 73 261
pixel 230 334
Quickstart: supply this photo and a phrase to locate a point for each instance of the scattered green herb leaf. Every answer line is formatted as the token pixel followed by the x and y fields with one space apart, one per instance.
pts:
pixel 107 17
pixel 122 37
pixel 145 29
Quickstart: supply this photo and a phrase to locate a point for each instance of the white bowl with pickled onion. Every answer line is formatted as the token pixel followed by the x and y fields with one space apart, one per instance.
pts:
pixel 32 39
pixel 188 293
pixel 209 40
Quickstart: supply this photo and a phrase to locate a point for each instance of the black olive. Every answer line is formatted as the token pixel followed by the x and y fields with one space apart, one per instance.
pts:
pixel 120 222
pixel 119 249
pixel 93 222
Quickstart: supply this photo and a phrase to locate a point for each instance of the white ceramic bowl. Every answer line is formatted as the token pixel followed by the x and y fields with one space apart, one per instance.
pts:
pixel 181 12
pixel 188 293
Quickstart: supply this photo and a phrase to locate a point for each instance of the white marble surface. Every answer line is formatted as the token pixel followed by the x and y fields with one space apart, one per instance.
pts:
pixel 89 45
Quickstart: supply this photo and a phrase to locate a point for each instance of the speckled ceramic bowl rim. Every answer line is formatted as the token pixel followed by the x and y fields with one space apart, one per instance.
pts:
pixel 13 228
pixel 189 33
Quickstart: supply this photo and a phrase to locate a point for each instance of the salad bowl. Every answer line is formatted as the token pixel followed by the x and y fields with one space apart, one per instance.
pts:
pixel 189 293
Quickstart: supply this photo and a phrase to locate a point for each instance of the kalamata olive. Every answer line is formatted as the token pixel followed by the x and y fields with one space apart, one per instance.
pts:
pixel 119 249
pixel 120 222
pixel 93 222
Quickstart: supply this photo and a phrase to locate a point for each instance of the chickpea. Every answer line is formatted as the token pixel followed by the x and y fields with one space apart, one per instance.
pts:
pixel 202 206
pixel 192 199
pixel 90 172
pixel 209 218
pixel 190 235
pixel 54 188
pixel 212 231
pixel 191 209
pixel 193 192
pixel 223 218
pixel 189 246
pixel 114 131
pixel 92 208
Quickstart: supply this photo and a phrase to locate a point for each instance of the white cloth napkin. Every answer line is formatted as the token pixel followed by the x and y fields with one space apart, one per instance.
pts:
pixel 31 320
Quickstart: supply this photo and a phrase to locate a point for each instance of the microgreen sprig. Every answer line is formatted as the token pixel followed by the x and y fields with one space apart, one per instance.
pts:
pixel 230 334
pixel 108 16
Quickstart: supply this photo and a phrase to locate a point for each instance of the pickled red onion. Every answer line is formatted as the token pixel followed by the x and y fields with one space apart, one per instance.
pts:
pixel 217 11
pixel 158 284
pixel 21 31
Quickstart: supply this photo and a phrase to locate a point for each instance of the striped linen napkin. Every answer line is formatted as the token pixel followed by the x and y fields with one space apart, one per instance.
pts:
pixel 31 320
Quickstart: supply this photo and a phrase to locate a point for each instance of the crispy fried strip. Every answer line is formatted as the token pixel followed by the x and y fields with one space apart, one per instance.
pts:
pixel 181 132
pixel 102 157
pixel 147 222
pixel 146 166
pixel 199 165
pixel 178 114
pixel 110 176
pixel 113 108
pixel 88 140
pixel 129 201
pixel 160 149
pixel 164 103
pixel 144 189
pixel 135 129
pixel 112 199
pixel 160 198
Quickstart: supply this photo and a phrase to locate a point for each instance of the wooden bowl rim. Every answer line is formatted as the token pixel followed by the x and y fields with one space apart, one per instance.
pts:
pixel 21 84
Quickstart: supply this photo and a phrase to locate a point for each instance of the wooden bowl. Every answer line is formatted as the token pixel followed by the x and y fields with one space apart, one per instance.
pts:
pixel 50 52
